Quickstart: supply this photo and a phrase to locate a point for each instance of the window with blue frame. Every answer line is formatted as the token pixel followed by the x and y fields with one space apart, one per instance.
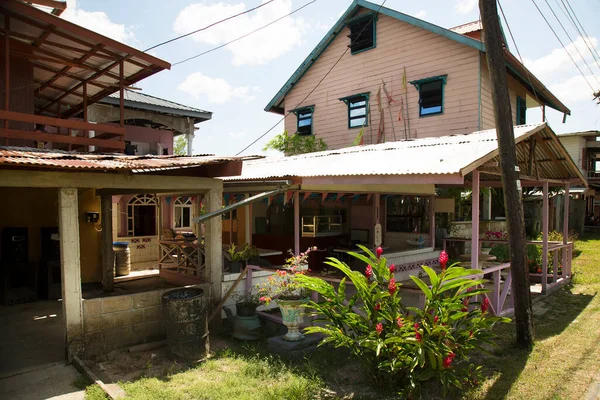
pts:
pixel 362 33
pixel 521 111
pixel 357 110
pixel 304 117
pixel 431 95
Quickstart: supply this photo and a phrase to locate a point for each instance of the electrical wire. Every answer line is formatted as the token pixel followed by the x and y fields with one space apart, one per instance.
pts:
pixel 316 86
pixel 243 36
pixel 208 26
pixel 584 35
pixel 574 45
pixel 563 45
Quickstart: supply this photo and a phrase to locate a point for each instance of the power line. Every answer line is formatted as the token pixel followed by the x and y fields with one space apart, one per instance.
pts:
pixel 209 26
pixel 316 86
pixel 574 45
pixel 563 45
pixel 243 36
pixel 566 12
pixel 585 35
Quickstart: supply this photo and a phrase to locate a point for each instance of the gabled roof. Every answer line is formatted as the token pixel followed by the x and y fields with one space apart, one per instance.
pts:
pixel 142 101
pixel 514 66
pixel 456 155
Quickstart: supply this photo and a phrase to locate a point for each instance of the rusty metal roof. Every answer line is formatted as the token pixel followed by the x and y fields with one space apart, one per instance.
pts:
pixel 455 154
pixel 60 160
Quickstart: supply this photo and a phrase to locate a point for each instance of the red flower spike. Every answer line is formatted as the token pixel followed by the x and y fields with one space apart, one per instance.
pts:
pixel 448 360
pixel 369 271
pixel 418 336
pixel 399 322
pixel 443 259
pixel 377 307
pixel 379 251
pixel 392 268
pixel 436 319
pixel 379 328
pixel 392 286
pixel 485 305
pixel 416 326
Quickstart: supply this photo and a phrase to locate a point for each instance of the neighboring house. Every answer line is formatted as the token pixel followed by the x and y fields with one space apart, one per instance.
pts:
pixel 438 79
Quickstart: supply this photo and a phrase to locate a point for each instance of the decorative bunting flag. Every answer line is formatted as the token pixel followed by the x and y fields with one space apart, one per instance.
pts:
pixel 324 196
pixel 226 198
pixel 369 197
pixel 340 196
pixel 355 198
pixel 306 195
pixel 168 200
pixel 288 197
pixel 270 200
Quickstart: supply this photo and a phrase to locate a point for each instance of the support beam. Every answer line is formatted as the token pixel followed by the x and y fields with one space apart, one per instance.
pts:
pixel 565 258
pixel 545 217
pixel 432 221
pixel 214 248
pixel 106 243
pixel 475 221
pixel 6 71
pixel 68 225
pixel 486 212
pixel 248 221
pixel 121 95
pixel 296 223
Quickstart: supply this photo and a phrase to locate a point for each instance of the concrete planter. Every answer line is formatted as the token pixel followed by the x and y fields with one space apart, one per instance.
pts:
pixel 291 314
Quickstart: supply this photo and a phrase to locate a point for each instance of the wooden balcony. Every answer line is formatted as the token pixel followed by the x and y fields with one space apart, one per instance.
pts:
pixel 593 176
pixel 74 133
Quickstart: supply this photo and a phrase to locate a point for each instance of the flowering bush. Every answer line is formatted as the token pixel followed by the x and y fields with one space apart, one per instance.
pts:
pixel 493 235
pixel 403 346
pixel 283 284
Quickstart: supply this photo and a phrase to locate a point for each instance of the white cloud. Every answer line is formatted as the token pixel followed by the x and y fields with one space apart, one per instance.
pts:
pixel 237 135
pixel 465 6
pixel 573 89
pixel 258 48
pixel 98 21
pixel 421 14
pixel 215 90
pixel 558 60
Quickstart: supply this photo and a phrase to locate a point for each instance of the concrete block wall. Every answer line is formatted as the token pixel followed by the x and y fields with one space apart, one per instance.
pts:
pixel 142 248
pixel 116 322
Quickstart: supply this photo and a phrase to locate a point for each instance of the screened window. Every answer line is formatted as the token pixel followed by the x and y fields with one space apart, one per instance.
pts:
pixel 521 111
pixel 305 120
pixel 408 214
pixel 362 34
pixel 357 110
pixel 182 212
pixel 141 216
pixel 431 95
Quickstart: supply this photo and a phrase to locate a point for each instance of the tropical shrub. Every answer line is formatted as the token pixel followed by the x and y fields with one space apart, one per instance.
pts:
pixel 295 144
pixel 399 346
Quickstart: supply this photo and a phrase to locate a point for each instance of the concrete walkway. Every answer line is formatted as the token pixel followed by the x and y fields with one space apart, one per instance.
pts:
pixel 50 381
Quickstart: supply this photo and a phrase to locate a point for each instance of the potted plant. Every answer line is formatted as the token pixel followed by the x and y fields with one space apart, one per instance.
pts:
pixel 290 296
pixel 246 303
pixel 237 257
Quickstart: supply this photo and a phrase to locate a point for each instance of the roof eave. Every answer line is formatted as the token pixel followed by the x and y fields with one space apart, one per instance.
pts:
pixel 200 116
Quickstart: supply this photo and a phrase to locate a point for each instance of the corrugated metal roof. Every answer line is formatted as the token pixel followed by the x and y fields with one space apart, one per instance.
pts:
pixel 136 99
pixel 439 155
pixel 468 27
pixel 584 133
pixel 56 159
pixel 456 154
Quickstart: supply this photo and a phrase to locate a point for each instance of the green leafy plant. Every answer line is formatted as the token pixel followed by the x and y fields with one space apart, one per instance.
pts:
pixel 247 251
pixel 401 346
pixel 180 146
pixel 295 144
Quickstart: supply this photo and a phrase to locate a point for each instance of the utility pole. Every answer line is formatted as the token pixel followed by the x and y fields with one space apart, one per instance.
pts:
pixel 510 173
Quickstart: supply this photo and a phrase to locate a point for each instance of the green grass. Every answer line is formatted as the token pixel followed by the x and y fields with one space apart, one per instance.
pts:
pixel 563 364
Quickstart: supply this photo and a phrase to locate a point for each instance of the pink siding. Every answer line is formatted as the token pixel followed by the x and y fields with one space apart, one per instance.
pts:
pixel 149 135
pixel 399 45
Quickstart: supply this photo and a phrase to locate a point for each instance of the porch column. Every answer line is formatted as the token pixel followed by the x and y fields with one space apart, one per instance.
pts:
pixel 106 243
pixel 376 216
pixel 545 218
pixel 214 246
pixel 296 223
pixel 486 212
pixel 248 224
pixel 432 221
pixel 565 259
pixel 190 137
pixel 68 225
pixel 6 70
pixel 475 222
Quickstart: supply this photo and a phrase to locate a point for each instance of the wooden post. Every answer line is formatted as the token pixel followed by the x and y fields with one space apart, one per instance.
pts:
pixel 6 70
pixel 432 221
pixel 565 258
pixel 121 96
pixel 486 212
pixel 510 175
pixel 475 221
pixel 545 218
pixel 106 243
pixel 297 223
pixel 248 222
pixel 214 247
pixel 68 225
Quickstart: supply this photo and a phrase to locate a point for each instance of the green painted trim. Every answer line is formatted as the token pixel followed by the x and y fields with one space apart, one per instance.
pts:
pixel 274 104
pixel 520 103
pixel 362 17
pixel 417 84
pixel 299 110
pixel 296 110
pixel 354 96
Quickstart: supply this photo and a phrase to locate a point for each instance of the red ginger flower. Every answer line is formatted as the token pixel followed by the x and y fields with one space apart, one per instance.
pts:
pixel 485 305
pixel 448 359
pixel 436 319
pixel 418 336
pixel 379 251
pixel 379 328
pixel 377 307
pixel 443 259
pixel 392 286
pixel 392 268
pixel 399 322
pixel 369 271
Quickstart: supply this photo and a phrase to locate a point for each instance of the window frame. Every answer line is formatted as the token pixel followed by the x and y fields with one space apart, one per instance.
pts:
pixel 372 17
pixel 417 84
pixel 298 112
pixel 140 200
pixel 354 99
pixel 521 106
pixel 180 203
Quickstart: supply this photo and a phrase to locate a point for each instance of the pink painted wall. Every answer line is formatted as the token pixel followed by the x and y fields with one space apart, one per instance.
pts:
pixel 149 135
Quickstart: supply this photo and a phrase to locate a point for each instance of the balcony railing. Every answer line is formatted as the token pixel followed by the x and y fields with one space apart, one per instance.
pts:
pixel 76 135
pixel 593 175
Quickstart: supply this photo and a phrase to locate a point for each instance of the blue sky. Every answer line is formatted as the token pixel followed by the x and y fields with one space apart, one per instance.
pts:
pixel 237 81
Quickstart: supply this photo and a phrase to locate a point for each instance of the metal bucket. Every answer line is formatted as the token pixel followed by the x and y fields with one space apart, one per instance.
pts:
pixel 186 312
pixel 122 258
